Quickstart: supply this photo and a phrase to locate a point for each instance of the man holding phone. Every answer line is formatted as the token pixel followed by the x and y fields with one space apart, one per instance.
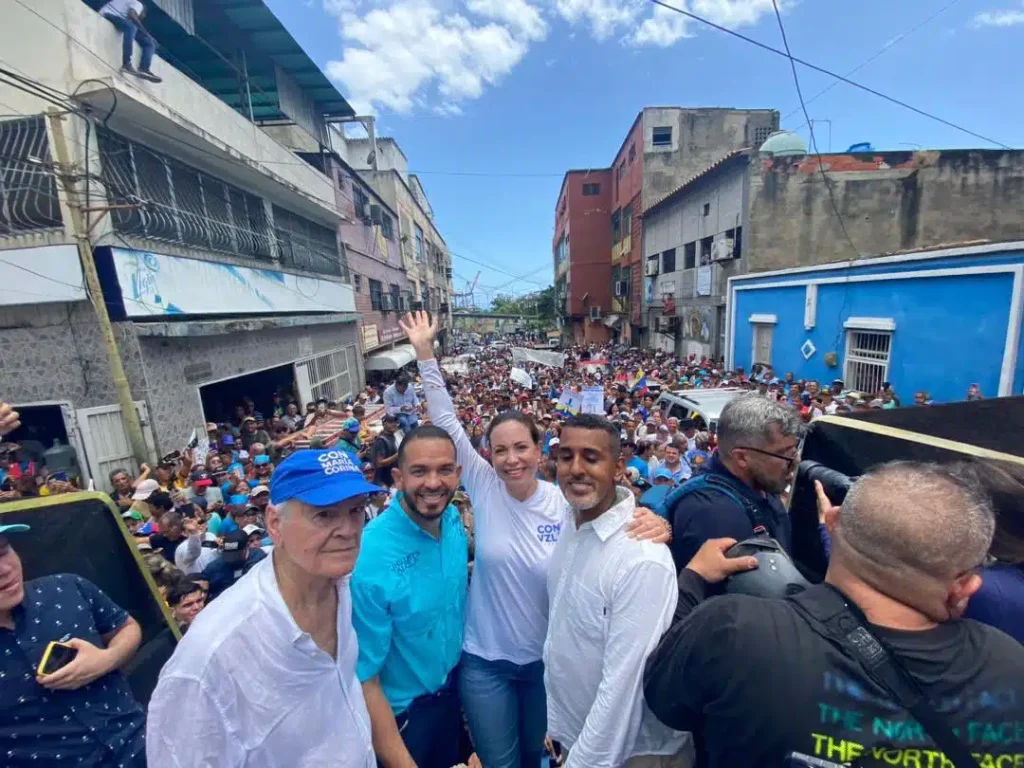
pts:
pixel 76 708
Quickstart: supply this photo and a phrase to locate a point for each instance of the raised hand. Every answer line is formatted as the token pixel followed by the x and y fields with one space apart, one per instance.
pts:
pixel 421 329
pixel 8 419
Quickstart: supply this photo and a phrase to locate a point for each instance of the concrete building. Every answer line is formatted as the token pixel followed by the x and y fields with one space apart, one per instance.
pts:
pixel 937 320
pixel 581 253
pixel 753 211
pixel 380 279
pixel 663 149
pixel 381 162
pixel 693 243
pixel 889 201
pixel 217 248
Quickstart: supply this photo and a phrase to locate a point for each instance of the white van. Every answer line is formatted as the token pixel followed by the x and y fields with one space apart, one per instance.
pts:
pixel 704 406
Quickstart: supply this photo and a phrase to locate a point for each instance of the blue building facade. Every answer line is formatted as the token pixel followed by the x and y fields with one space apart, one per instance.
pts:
pixel 938 321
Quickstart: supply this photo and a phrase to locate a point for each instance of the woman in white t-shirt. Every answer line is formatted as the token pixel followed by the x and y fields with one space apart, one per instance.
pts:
pixel 518 520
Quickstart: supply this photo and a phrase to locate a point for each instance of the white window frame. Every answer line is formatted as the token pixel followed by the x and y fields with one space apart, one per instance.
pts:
pixel 332 375
pixel 879 327
pixel 762 324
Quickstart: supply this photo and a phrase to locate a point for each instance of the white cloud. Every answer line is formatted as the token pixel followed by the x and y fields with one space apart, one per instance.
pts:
pixel 604 17
pixel 404 55
pixel 394 51
pixel 447 109
pixel 664 28
pixel 1003 18
pixel 521 17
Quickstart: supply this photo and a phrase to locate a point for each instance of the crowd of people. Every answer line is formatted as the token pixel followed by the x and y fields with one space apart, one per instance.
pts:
pixel 470 569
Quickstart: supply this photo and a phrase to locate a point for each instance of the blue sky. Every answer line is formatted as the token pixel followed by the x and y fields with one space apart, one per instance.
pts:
pixel 496 87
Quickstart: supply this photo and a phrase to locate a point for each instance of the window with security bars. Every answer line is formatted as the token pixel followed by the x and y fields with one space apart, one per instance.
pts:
pixel 28 188
pixel 761 134
pixel 304 244
pixel 376 295
pixel 331 376
pixel 866 363
pixel 171 201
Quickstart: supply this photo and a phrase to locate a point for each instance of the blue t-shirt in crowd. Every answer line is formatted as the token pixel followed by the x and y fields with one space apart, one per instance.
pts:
pixel 409 603
pixel 99 724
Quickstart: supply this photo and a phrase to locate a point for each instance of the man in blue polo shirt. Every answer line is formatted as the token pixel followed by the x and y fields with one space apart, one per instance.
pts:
pixel 82 714
pixel 408 608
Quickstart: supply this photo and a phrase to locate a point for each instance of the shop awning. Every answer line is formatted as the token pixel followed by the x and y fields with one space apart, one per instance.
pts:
pixel 391 359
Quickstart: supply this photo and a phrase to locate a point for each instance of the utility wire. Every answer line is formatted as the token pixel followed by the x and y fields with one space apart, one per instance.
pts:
pixel 891 44
pixel 814 142
pixel 828 72
pixel 821 168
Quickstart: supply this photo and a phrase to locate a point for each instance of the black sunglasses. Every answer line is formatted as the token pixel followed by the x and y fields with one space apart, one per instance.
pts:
pixel 788 459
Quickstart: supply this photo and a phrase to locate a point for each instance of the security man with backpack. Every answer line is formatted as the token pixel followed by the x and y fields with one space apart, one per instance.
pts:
pixel 739 491
pixel 874 667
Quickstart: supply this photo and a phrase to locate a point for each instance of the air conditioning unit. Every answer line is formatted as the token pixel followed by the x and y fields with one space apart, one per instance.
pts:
pixel 365 212
pixel 721 250
pixel 621 288
pixel 595 313
pixel 651 270
pixel 376 214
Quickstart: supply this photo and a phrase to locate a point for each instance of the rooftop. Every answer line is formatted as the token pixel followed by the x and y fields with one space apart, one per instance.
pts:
pixel 724 160
pixel 235 43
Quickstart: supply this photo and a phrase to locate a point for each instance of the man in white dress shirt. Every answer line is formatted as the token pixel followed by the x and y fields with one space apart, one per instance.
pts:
pixel 266 674
pixel 612 597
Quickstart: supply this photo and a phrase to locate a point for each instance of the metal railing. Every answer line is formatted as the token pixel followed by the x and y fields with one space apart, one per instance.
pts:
pixel 28 186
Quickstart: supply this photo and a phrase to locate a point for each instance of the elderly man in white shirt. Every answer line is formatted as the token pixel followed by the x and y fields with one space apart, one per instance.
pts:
pixel 266 674
pixel 611 597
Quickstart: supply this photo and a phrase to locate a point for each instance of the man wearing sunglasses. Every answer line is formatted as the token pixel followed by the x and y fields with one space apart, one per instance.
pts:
pixel 739 491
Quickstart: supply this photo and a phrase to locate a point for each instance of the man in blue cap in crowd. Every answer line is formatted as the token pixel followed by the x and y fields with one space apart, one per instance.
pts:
pixel 82 713
pixel 409 599
pixel 290 620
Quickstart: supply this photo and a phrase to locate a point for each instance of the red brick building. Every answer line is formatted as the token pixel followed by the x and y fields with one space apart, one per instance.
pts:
pixel 627 241
pixel 581 251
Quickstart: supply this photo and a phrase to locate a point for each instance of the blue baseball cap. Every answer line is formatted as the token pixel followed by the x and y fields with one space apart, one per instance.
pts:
pixel 261 459
pixel 6 530
pixel 319 478
pixel 663 474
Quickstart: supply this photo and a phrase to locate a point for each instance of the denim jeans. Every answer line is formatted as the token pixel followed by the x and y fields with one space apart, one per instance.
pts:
pixel 431 728
pixel 506 710
pixel 130 32
pixel 408 421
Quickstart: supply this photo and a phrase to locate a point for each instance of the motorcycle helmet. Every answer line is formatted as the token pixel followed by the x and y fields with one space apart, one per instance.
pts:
pixel 775 576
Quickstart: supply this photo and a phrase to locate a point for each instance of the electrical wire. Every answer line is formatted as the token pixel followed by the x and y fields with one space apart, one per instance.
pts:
pixel 889 45
pixel 822 70
pixel 821 168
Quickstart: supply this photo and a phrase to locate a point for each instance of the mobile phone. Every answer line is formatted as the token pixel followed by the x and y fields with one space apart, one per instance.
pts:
pixel 56 656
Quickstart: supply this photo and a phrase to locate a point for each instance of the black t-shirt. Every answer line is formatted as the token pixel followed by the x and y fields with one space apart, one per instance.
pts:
pixel 383 447
pixel 165 546
pixel 754 682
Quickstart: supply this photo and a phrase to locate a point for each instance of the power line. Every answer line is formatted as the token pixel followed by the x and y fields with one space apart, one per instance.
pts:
pixel 891 44
pixel 828 72
pixel 814 142
pixel 821 167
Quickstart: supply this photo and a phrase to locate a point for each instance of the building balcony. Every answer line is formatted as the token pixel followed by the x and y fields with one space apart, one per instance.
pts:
pixel 69 47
